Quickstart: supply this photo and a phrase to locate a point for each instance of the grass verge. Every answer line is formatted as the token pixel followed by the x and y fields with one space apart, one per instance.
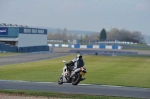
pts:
pixel 104 70
pixel 8 54
pixel 58 95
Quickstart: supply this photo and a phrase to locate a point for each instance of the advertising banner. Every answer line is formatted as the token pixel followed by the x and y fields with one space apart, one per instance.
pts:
pixel 3 31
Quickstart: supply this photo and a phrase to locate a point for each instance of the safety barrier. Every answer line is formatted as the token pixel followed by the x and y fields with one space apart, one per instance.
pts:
pixel 33 49
pixel 8 48
pixel 101 46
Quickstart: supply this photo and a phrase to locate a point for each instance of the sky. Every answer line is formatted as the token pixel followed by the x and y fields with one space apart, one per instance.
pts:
pixel 87 15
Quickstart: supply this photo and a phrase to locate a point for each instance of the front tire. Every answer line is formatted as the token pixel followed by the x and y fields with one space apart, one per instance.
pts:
pixel 60 80
pixel 76 79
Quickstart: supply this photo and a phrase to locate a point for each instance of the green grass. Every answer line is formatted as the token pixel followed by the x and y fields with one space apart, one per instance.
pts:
pixel 137 47
pixel 58 95
pixel 7 54
pixel 104 70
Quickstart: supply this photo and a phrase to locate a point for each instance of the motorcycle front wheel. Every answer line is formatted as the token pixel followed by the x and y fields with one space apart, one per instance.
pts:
pixel 76 79
pixel 60 80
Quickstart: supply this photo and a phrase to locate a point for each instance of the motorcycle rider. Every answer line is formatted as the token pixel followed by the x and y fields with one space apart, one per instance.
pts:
pixel 77 62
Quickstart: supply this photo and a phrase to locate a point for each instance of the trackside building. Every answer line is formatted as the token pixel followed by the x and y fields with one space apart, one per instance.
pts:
pixel 23 39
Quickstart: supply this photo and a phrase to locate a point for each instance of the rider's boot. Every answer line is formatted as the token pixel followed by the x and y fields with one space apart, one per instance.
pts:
pixel 82 79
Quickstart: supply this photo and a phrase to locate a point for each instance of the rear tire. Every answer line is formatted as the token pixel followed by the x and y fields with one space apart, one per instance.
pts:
pixel 76 79
pixel 60 80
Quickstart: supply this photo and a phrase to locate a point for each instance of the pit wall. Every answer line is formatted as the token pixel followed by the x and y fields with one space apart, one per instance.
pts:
pixel 8 48
pixel 86 46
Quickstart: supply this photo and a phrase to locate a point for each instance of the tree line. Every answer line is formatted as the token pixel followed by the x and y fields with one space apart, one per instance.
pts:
pixel 103 35
pixel 64 35
pixel 121 35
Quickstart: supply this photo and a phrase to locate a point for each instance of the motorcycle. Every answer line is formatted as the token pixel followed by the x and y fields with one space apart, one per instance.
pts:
pixel 75 76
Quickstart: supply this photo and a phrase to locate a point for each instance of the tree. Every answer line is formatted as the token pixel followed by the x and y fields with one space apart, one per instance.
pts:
pixel 64 34
pixel 81 38
pixel 103 35
pixel 136 35
pixel 50 36
pixel 75 36
pixel 58 34
pixel 86 37
pixel 71 37
pixel 115 34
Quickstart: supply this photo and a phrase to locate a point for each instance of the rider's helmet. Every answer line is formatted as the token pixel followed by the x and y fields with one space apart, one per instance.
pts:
pixel 79 55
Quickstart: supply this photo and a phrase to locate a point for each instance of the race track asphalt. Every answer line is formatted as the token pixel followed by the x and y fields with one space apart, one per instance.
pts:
pixel 79 89
pixel 29 57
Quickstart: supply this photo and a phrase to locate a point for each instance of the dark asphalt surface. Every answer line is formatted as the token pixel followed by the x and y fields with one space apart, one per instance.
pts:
pixel 29 57
pixel 79 89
